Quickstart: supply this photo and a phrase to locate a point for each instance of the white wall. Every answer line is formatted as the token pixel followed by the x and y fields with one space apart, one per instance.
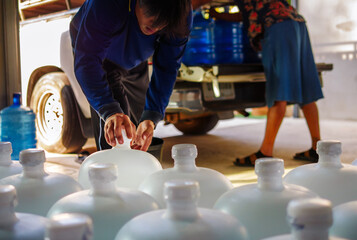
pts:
pixel 40 46
pixel 332 26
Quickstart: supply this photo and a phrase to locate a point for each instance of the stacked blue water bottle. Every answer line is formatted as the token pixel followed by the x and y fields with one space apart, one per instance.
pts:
pixel 218 42
pixel 17 125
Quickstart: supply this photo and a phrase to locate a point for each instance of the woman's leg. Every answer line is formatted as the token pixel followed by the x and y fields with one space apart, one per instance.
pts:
pixel 312 119
pixel 275 117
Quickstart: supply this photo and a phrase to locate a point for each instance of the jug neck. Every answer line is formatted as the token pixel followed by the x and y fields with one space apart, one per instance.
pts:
pixel 270 183
pixel 107 189
pixel 37 171
pixel 185 164
pixel 7 215
pixel 311 234
pixel 125 145
pixel 326 160
pixel 182 210
pixel 5 160
pixel 16 99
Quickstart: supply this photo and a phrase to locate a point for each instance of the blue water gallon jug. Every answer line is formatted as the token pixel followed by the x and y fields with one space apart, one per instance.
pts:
pixel 229 42
pixel 17 125
pixel 200 48
pixel 218 42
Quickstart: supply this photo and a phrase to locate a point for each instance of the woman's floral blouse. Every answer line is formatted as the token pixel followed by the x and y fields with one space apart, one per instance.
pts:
pixel 260 14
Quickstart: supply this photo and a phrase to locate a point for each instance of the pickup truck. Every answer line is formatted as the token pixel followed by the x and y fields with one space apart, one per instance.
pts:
pixel 204 93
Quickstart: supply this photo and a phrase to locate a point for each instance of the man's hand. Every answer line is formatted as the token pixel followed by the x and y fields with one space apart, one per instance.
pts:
pixel 113 129
pixel 144 135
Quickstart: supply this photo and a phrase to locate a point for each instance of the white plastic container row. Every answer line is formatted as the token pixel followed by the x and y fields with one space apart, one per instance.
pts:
pixel 269 173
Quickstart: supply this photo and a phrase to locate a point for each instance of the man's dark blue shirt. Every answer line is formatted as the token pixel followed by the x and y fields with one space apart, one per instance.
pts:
pixel 108 29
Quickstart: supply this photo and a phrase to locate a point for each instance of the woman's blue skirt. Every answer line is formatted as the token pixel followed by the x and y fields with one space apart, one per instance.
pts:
pixel 289 64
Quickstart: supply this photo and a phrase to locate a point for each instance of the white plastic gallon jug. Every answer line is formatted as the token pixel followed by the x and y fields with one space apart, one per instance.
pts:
pixel 7 166
pixel 108 206
pixel 329 178
pixel 212 183
pixel 133 165
pixel 182 220
pixel 261 207
pixel 345 220
pixel 18 226
pixel 309 219
pixel 71 226
pixel 37 190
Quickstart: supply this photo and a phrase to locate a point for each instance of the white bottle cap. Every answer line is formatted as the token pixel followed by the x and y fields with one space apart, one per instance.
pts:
pixel 32 157
pixel 73 226
pixel 269 167
pixel 184 151
pixel 5 148
pixel 103 172
pixel 7 194
pixel 329 147
pixel 310 211
pixel 181 190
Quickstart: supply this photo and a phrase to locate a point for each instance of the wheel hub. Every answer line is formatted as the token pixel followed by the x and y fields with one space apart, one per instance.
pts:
pixel 52 117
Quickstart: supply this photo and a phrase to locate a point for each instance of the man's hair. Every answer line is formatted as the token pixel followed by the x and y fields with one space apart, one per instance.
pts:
pixel 172 13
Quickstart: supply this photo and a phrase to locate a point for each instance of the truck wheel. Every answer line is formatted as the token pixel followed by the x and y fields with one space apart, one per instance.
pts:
pixel 57 123
pixel 197 126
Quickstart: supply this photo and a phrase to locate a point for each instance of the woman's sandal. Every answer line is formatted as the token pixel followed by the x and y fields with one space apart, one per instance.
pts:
pixel 309 155
pixel 249 160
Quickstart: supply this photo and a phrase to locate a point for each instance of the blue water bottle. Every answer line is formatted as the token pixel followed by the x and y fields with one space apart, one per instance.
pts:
pixel 17 125
pixel 200 48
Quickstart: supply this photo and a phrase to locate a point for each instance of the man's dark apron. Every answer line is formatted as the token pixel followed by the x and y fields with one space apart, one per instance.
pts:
pixel 129 89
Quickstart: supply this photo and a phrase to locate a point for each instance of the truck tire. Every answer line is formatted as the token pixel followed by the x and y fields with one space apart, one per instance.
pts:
pixel 197 126
pixel 57 123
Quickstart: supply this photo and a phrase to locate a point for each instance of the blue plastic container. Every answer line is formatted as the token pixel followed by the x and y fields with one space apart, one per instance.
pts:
pixel 229 42
pixel 218 42
pixel 17 125
pixel 200 48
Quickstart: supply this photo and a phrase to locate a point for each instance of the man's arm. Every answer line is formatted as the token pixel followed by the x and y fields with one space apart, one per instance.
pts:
pixel 91 31
pixel 94 25
pixel 166 62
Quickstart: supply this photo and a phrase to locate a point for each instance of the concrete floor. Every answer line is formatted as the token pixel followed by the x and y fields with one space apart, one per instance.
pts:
pixel 233 138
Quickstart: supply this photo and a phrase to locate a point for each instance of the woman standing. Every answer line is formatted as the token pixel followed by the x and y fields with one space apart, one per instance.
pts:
pixel 275 28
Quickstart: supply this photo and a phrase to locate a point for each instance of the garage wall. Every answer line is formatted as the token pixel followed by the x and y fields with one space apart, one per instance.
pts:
pixel 332 26
pixel 9 52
